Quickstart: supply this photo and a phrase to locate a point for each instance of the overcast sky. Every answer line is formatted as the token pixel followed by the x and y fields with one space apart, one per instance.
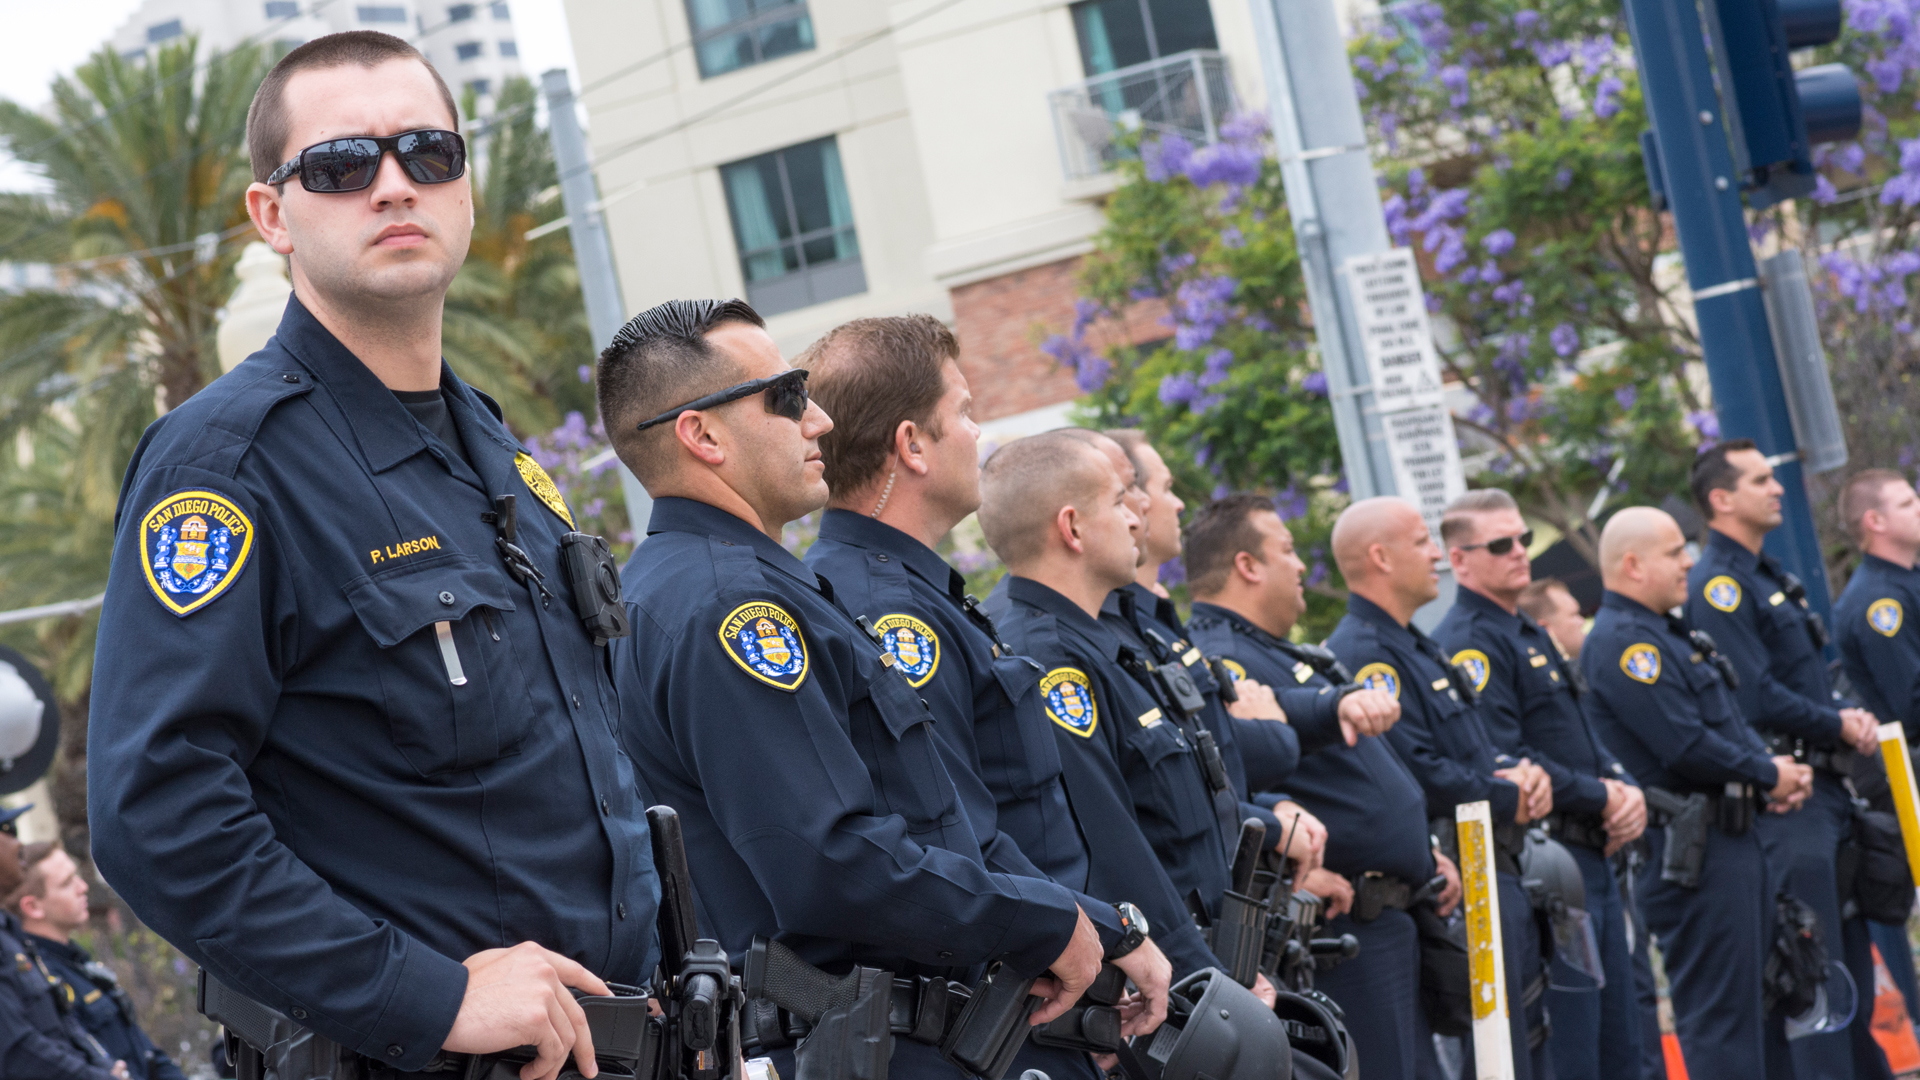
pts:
pixel 44 40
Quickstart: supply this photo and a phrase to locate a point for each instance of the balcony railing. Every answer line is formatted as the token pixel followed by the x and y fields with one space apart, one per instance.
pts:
pixel 1187 93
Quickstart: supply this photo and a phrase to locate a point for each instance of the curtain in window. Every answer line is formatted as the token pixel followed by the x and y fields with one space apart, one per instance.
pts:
pixel 839 208
pixel 753 223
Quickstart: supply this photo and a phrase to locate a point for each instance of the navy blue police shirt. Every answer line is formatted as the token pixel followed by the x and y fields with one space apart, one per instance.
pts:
pixel 1374 810
pixel 816 804
pixel 1440 737
pixel 1258 755
pixel 1151 833
pixel 335 747
pixel 1879 641
pixel 1525 692
pixel 93 994
pixel 39 1038
pixel 1661 703
pixel 1741 600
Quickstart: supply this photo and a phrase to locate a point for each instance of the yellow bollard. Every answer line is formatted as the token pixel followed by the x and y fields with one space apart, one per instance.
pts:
pixel 1893 751
pixel 1492 1036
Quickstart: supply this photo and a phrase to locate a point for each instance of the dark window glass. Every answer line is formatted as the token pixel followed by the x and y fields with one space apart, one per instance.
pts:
pixel 467 50
pixel 382 14
pixel 500 11
pixel 793 227
pixel 480 87
pixel 165 31
pixel 282 9
pixel 1115 34
pixel 459 13
pixel 732 34
pixel 510 48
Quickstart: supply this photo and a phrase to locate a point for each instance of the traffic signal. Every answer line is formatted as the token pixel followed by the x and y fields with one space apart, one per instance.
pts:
pixel 1776 115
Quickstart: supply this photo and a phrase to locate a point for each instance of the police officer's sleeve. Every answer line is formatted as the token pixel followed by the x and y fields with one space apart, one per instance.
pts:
pixel 1003 856
pixel 1767 705
pixel 1888 662
pixel 1269 750
pixel 792 794
pixel 181 707
pixel 1314 714
pixel 1654 702
pixel 28 1053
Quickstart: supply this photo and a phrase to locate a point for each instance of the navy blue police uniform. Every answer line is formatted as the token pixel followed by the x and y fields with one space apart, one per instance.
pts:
pixel 1659 702
pixel 93 992
pixel 1003 758
pixel 1443 741
pixel 1525 693
pixel 1758 618
pixel 815 799
pixel 41 1038
pixel 1375 814
pixel 312 637
pixel 1131 775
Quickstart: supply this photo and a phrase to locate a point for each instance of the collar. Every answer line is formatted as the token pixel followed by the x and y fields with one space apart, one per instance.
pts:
pixel 1033 594
pixel 1627 604
pixel 1161 608
pixel 1366 610
pixel 861 531
pixel 1731 551
pixel 1888 567
pixel 61 950
pixel 1485 605
pixel 675 514
pixel 1238 623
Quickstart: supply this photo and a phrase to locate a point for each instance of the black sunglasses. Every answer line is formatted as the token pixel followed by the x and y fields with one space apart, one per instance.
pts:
pixel 786 396
pixel 1502 545
pixel 430 156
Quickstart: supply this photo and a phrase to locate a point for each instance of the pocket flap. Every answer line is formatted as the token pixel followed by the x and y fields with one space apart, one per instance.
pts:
pixel 900 708
pixel 394 605
pixel 1017 675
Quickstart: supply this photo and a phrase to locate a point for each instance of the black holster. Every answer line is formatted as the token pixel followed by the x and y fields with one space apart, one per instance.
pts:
pixel 1093 1024
pixel 1239 935
pixel 1686 824
pixel 992 1027
pixel 1446 983
pixel 853 1041
pixel 1875 880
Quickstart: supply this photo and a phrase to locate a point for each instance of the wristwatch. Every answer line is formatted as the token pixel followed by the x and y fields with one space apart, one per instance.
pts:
pixel 1133 926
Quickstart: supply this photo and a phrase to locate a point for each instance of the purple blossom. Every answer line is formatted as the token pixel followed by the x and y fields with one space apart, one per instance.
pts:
pixel 1200 309
pixel 1511 292
pixel 586 373
pixel 1084 313
pixel 1552 54
pixel 1704 422
pixel 1178 388
pixel 1231 237
pixel 1606 97
pixel 1626 396
pixel 1173 571
pixel 1090 369
pixel 1221 491
pixel 1317 573
pixel 1236 165
pixel 1166 157
pixel 1218 361
pixel 1290 504
pixel 1563 179
pixel 1315 383
pixel 1454 78
pixel 1565 340
pixel 1525 21
pixel 1498 242
pixel 1595 54
pixel 1823 190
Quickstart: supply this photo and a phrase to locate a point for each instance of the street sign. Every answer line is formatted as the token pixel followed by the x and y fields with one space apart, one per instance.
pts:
pixel 1426 460
pixel 1394 333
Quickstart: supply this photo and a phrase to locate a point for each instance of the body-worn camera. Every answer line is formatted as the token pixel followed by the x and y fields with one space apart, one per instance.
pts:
pixel 595 580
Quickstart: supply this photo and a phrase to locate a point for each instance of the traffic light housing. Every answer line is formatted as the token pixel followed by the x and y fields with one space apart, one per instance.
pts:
pixel 1775 115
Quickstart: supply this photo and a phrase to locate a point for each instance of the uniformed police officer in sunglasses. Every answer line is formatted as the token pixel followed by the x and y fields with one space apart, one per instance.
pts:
pixel 353 742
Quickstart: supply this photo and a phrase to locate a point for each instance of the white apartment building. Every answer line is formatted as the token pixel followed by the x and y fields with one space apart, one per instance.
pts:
pixel 941 156
pixel 471 43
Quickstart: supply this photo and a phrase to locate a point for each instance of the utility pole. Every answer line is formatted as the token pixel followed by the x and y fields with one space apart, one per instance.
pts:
pixel 592 254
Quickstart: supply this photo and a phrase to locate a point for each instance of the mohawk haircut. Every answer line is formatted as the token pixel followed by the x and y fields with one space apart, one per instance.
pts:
pixel 659 359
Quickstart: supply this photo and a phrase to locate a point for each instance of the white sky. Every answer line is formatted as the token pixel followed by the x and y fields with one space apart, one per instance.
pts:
pixel 44 40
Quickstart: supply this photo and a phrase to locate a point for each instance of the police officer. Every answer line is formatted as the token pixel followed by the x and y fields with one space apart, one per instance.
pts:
pixel 1387 556
pixel 1756 612
pixel 902 463
pixel 817 806
pixel 41 1037
pixel 1659 700
pixel 51 904
pixel 1247 584
pixel 1056 511
pixel 338 635
pixel 1525 693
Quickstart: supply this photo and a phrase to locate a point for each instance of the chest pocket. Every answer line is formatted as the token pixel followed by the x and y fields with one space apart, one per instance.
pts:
pixel 441 726
pixel 1177 787
pixel 1027 757
pixel 912 781
pixel 1789 638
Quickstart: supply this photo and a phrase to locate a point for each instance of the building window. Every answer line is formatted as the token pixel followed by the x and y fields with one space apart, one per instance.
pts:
pixel 381 14
pixel 1121 33
pixel 510 49
pixel 165 31
pixel 793 227
pixel 459 13
pixel 134 56
pixel 282 9
pixel 731 34
pixel 480 87
pixel 467 50
pixel 500 12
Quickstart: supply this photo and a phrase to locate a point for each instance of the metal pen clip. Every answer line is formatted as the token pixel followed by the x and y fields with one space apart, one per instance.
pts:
pixel 448 654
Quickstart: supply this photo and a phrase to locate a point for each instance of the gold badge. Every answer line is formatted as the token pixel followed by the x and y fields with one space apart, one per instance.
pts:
pixel 542 486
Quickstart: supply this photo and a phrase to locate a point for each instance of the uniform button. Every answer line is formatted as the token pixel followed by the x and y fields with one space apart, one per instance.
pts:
pixel 395 1050
pixel 605 809
pixel 883 558
pixel 576 701
pixel 620 910
pixel 291 377
pixel 446 598
pixel 299 1014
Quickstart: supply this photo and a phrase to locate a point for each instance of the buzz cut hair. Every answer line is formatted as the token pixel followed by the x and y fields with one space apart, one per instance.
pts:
pixel 1537 598
pixel 33 881
pixel 1463 514
pixel 872 375
pixel 1866 490
pixel 1219 532
pixel 1131 440
pixel 268 125
pixel 1024 485
pixel 1712 472
pixel 659 359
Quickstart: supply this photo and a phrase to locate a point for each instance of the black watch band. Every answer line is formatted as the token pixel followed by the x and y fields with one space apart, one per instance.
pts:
pixel 1133 931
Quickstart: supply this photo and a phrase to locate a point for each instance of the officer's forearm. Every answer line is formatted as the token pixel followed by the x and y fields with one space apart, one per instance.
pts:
pixel 1270 750
pixel 1314 714
pixel 1580 794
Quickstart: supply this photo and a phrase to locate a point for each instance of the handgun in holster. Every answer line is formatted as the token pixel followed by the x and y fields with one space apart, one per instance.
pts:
pixel 1686 824
pixel 1093 1024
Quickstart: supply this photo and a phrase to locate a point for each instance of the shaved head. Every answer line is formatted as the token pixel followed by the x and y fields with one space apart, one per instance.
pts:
pixel 1643 555
pixel 1635 529
pixel 1026 482
pixel 1366 523
pixel 1387 555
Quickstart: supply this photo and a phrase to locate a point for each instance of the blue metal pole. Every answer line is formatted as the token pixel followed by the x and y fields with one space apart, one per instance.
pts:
pixel 1707 214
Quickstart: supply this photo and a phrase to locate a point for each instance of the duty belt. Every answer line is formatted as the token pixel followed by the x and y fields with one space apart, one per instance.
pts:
pixel 1375 892
pixel 1838 761
pixel 923 1006
pixel 1580 830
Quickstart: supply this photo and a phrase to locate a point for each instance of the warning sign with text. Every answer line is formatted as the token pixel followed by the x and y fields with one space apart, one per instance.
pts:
pixel 1395 336
pixel 1426 460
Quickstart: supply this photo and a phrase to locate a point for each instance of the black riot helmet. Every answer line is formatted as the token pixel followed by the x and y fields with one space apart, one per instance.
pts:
pixel 1217 1030
pixel 1316 1033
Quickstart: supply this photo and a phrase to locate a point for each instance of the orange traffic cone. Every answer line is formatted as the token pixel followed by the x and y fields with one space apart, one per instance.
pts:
pixel 1676 1066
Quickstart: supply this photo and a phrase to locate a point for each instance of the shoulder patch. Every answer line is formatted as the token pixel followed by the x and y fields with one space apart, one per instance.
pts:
pixel 1641 662
pixel 767 644
pixel 1722 592
pixel 1886 616
pixel 1474 663
pixel 1233 668
pixel 1069 699
pixel 196 544
pixel 542 486
pixel 914 645
pixel 1380 677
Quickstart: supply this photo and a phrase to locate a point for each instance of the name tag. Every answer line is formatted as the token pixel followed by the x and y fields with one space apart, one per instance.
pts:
pixel 1150 718
pixel 1302 671
pixel 1439 684
pixel 1192 657
pixel 1538 661
pixel 1777 599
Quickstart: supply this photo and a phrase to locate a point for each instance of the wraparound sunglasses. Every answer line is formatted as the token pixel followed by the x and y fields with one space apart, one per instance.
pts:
pixel 786 396
pixel 429 156
pixel 1502 545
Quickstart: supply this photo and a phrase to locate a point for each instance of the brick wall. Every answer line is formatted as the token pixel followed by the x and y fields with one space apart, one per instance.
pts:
pixel 1001 321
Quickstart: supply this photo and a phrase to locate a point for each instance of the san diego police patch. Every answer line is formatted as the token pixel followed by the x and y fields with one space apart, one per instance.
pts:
pixel 1885 616
pixel 542 486
pixel 1642 662
pixel 1069 698
pixel 766 642
pixel 1723 593
pixel 914 645
pixel 1380 677
pixel 196 545
pixel 1233 668
pixel 1474 663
